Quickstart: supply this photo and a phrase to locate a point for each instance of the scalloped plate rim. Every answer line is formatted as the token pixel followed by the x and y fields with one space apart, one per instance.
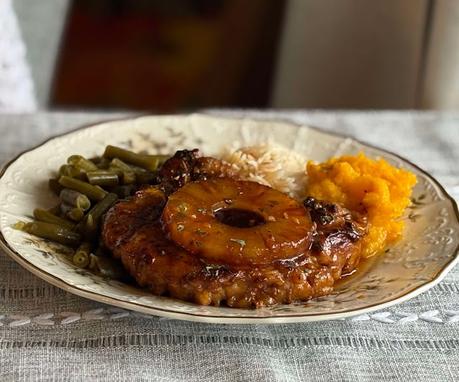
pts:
pixel 278 318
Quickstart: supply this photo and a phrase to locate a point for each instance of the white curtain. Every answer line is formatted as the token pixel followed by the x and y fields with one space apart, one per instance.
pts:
pixel 16 85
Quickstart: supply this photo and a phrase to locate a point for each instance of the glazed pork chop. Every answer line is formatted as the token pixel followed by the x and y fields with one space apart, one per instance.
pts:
pixel 204 237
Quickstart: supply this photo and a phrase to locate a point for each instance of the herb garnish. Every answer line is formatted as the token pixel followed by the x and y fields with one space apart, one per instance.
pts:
pixel 239 241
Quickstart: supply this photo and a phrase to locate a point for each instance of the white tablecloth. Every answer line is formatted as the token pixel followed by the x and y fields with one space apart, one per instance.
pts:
pixel 48 334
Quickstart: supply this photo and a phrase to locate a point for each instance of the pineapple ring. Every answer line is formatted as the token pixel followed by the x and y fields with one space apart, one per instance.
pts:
pixel 235 222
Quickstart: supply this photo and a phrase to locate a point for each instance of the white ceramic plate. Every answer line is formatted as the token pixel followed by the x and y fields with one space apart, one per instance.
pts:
pixel 428 250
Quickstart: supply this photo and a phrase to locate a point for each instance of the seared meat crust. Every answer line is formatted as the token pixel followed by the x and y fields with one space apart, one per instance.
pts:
pixel 132 231
pixel 187 165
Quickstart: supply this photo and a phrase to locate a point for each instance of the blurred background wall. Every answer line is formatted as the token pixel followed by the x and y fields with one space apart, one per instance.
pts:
pixel 351 54
pixel 166 56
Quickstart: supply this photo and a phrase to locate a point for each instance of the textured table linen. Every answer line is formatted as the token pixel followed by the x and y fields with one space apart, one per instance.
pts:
pixel 48 334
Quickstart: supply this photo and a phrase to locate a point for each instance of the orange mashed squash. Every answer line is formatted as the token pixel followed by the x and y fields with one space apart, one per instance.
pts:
pixel 374 188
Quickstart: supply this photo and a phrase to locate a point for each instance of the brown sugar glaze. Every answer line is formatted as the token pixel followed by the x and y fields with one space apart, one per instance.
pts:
pixel 135 231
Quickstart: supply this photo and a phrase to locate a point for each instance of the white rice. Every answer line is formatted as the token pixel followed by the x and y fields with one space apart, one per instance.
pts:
pixel 272 165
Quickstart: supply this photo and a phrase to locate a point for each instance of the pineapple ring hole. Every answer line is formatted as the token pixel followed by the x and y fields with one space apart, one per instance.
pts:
pixel 238 217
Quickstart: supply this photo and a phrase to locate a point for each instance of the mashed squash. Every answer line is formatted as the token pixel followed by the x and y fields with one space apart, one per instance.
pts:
pixel 371 187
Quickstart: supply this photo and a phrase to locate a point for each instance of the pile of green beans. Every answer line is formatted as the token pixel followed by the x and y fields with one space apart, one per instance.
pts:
pixel 87 188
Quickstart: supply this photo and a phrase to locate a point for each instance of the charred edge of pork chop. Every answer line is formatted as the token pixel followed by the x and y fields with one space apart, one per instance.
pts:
pixel 335 226
pixel 186 166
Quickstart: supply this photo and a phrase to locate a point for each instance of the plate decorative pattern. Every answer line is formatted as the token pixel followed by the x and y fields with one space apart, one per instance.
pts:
pixel 427 251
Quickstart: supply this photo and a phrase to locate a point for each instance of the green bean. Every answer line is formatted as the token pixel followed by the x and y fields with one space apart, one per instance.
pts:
pixel 93 263
pixel 65 208
pixel 142 176
pixel 75 199
pixel 56 210
pixel 114 170
pixel 103 178
pixel 124 191
pixel 118 163
pixel 89 227
pixel 54 186
pixel 81 258
pixel 85 247
pixel 127 172
pixel 96 160
pixel 92 192
pixel 92 220
pixel 128 177
pixel 148 162
pixel 138 170
pixel 71 171
pixel 19 225
pixel 67 170
pixel 161 158
pixel 48 217
pixel 80 227
pixel 54 232
pixel 73 213
pixel 81 163
pixel 103 164
pixel 145 177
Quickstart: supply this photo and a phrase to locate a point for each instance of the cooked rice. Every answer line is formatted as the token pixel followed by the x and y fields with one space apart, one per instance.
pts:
pixel 270 164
